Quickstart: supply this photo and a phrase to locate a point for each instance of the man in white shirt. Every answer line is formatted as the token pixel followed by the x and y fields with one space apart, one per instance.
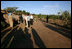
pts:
pixel 27 20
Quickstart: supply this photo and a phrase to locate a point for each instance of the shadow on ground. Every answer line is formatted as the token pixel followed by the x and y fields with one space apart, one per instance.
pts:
pixel 61 26
pixel 61 31
pixel 37 39
pixel 65 32
pixel 21 39
pixel 8 37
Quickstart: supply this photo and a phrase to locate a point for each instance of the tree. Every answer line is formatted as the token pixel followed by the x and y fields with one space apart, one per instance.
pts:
pixel 66 18
pixel 27 13
pixel 24 12
pixel 11 9
pixel 58 14
pixel 19 12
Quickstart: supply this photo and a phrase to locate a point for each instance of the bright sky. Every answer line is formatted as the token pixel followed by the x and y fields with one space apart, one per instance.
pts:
pixel 36 7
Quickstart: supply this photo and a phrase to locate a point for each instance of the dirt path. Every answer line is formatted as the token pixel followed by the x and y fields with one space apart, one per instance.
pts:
pixel 51 38
pixel 41 37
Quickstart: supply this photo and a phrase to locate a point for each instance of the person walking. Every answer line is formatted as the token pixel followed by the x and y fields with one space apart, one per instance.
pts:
pixel 23 16
pixel 26 24
pixel 28 20
pixel 31 20
pixel 10 19
pixel 47 19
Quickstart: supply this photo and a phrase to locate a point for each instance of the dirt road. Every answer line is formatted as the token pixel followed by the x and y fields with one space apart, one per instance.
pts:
pixel 50 38
pixel 40 37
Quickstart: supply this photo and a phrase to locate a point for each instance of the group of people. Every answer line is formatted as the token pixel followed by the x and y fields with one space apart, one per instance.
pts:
pixel 27 19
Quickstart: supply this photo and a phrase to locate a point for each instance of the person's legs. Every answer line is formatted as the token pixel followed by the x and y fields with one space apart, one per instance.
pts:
pixel 25 22
pixel 28 23
pixel 32 21
pixel 47 20
pixel 10 21
pixel 29 27
pixel 22 20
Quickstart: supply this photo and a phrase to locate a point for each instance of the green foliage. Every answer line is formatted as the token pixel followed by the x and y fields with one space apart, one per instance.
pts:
pixel 19 12
pixel 54 17
pixel 11 9
pixel 66 17
pixel 39 16
pixel 58 13
pixel 24 12
pixel 27 13
pixel 42 16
